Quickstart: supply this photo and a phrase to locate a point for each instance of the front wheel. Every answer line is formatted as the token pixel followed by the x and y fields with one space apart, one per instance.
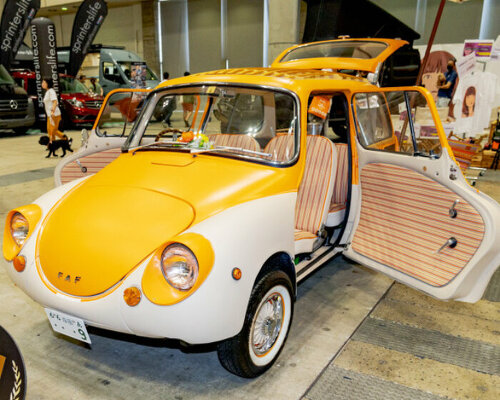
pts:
pixel 267 322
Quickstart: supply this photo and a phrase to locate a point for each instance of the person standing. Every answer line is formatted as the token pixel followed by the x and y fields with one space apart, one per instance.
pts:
pixel 95 87
pixel 52 110
pixel 445 90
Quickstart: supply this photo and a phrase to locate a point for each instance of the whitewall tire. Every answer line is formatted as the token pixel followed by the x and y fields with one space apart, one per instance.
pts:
pixel 267 322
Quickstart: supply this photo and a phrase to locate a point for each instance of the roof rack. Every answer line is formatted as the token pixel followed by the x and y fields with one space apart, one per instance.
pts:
pixel 95 47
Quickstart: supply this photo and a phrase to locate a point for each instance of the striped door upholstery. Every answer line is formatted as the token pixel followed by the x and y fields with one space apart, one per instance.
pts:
pixel 90 164
pixel 405 219
pixel 241 141
pixel 281 148
pixel 337 208
pixel 316 188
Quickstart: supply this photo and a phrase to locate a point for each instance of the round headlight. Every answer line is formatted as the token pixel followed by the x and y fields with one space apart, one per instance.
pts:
pixel 19 228
pixel 179 266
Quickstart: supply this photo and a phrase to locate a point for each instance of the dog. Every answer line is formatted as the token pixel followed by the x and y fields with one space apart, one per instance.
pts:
pixel 64 144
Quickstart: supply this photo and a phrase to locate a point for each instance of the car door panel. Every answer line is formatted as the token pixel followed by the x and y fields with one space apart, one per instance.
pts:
pixel 108 135
pixel 405 219
pixel 88 165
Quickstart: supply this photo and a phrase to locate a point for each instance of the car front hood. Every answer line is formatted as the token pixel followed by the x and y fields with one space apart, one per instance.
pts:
pixel 116 218
pixel 99 233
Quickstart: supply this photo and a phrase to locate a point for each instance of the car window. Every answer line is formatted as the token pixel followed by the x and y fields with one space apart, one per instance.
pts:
pixel 120 113
pixel 71 85
pixel 247 123
pixel 111 73
pixel 343 49
pixel 397 121
pixel 5 78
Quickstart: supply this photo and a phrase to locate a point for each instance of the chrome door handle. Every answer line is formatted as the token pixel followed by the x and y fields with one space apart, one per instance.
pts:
pixel 451 243
pixel 452 211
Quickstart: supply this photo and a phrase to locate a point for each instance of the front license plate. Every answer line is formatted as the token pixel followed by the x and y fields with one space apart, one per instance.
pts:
pixel 68 325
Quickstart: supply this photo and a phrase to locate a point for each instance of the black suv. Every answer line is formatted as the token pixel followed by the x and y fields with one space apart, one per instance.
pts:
pixel 16 108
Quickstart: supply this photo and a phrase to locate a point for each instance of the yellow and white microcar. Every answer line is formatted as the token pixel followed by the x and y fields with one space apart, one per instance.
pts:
pixel 192 211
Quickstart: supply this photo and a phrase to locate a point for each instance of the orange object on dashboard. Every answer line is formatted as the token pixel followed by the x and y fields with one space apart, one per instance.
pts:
pixel 186 137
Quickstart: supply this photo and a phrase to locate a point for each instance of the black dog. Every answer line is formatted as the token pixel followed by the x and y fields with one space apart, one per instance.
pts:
pixel 63 144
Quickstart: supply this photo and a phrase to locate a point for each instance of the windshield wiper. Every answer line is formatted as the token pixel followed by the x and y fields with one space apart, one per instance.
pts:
pixel 160 144
pixel 230 148
pixel 174 144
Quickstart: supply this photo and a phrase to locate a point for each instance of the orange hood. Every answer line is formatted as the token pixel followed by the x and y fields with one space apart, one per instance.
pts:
pixel 104 228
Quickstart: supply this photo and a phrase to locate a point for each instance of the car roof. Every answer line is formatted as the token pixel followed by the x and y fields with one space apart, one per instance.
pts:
pixel 293 79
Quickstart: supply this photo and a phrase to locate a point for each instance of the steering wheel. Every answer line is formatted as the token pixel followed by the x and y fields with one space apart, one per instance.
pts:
pixel 165 131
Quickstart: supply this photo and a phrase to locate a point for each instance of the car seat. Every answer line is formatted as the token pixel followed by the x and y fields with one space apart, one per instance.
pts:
pixel 314 194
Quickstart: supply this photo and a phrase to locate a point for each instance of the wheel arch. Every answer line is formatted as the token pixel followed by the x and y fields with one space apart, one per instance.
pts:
pixel 280 261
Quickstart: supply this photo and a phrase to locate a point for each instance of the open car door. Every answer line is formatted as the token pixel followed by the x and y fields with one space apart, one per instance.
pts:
pixel 414 216
pixel 103 144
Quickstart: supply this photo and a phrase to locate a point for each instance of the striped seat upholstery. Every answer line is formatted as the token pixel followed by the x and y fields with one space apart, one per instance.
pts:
pixel 281 148
pixel 315 191
pixel 89 165
pixel 336 213
pixel 234 140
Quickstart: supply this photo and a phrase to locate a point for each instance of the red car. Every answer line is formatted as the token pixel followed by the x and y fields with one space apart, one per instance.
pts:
pixel 79 105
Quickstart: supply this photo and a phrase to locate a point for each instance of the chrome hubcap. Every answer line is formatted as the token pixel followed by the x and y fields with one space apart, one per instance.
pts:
pixel 267 325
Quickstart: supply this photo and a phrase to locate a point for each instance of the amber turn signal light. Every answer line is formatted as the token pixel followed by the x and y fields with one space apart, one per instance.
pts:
pixel 19 263
pixel 236 274
pixel 132 296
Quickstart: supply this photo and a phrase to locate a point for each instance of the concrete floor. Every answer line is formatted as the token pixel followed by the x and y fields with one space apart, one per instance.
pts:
pixel 347 320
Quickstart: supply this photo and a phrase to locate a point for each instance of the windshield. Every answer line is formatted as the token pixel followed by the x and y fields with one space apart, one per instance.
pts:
pixel 240 122
pixel 72 85
pixel 128 66
pixel 343 49
pixel 5 78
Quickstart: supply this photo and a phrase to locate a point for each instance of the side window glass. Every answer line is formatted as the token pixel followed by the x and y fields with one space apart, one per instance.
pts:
pixel 111 73
pixel 374 122
pixel 396 121
pixel 120 112
pixel 427 139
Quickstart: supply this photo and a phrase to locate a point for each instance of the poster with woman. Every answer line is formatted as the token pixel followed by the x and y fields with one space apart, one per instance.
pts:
pixel 469 102
pixel 434 72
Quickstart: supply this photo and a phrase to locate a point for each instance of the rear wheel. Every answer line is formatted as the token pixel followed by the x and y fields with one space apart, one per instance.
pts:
pixel 267 322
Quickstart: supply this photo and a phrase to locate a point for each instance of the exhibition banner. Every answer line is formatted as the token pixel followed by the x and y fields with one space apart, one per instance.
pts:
pixel 43 39
pixel 480 48
pixel 16 17
pixel 88 20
